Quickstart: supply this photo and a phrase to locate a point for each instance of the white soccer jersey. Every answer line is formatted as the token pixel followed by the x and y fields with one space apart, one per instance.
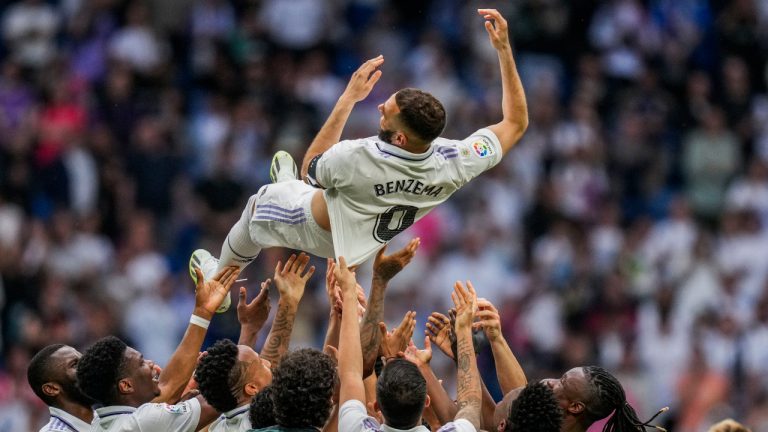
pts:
pixel 150 417
pixel 62 421
pixel 236 420
pixel 376 190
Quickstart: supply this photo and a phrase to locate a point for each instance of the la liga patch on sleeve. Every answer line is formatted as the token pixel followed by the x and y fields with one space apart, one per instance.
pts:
pixel 176 409
pixel 483 148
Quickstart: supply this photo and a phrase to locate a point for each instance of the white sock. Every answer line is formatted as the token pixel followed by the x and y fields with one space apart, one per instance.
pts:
pixel 238 248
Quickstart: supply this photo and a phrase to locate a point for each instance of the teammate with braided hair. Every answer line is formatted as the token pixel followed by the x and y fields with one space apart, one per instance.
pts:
pixel 228 377
pixel 535 410
pixel 590 393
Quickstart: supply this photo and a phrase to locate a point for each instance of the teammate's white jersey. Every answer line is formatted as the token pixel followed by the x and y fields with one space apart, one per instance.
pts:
pixel 236 420
pixel 150 417
pixel 62 421
pixel 376 190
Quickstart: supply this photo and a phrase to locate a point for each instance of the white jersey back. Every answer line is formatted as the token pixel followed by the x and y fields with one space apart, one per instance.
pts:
pixel 376 190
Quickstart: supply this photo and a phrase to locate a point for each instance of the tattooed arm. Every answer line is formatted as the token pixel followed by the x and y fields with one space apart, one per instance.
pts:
pixel 290 282
pixel 385 267
pixel 468 390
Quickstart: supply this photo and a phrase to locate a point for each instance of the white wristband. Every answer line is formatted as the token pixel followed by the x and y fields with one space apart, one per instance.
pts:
pixel 199 321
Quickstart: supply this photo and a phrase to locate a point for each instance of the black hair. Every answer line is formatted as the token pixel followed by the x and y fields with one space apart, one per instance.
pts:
pixel 401 391
pixel 40 371
pixel 262 412
pixel 606 396
pixel 535 410
pixel 99 369
pixel 302 386
pixel 217 375
pixel 421 113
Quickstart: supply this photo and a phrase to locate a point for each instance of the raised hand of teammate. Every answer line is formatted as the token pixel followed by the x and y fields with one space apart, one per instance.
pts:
pixel 362 81
pixel 416 356
pixel 396 341
pixel 487 318
pixel 440 332
pixel 291 279
pixel 496 26
pixel 253 315
pixel 386 267
pixel 209 294
pixel 465 301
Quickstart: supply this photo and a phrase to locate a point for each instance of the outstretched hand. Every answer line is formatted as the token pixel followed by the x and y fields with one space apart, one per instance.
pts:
pixel 397 340
pixel 291 279
pixel 362 81
pixel 385 267
pixel 255 313
pixel 209 294
pixel 465 300
pixel 440 332
pixel 496 26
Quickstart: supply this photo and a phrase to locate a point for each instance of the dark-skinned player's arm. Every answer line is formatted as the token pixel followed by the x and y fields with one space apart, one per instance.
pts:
pixel 358 88
pixel 208 297
pixel 514 107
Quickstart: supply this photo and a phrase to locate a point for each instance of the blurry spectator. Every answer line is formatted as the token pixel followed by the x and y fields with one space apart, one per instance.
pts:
pixel 711 158
pixel 29 27
pixel 137 44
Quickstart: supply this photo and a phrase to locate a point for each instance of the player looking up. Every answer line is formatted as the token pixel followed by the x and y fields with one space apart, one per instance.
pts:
pixel 359 194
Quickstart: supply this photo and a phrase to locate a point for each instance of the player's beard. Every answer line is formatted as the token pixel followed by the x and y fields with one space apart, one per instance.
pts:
pixel 386 135
pixel 74 393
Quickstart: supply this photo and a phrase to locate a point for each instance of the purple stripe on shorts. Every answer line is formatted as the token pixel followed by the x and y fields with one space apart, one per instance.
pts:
pixel 279 219
pixel 288 212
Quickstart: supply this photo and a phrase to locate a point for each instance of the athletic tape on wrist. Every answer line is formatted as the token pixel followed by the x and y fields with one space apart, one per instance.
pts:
pixel 199 321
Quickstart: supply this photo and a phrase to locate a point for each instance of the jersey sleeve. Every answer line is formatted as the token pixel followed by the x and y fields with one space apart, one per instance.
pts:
pixel 328 169
pixel 478 153
pixel 459 425
pixel 182 417
pixel 354 418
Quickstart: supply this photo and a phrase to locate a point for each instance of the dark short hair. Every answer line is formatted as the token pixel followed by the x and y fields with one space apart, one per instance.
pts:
pixel 401 391
pixel 262 412
pixel 217 374
pixel 535 410
pixel 99 369
pixel 421 113
pixel 302 386
pixel 40 371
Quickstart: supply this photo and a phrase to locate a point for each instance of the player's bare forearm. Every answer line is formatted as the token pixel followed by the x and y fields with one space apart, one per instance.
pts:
pixel 468 392
pixel 332 334
pixel 508 369
pixel 513 103
pixel 350 354
pixel 488 408
pixel 279 337
pixel 444 407
pixel 370 337
pixel 330 133
pixel 248 336
pixel 181 365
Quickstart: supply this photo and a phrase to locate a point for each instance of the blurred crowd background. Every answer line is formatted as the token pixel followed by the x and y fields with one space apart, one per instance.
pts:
pixel 629 227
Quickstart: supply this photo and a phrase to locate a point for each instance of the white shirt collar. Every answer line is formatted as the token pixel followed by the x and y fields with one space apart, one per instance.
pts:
pixel 68 419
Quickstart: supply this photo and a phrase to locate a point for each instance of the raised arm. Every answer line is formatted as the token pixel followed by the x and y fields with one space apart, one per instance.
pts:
pixel 350 354
pixel 358 88
pixel 468 390
pixel 385 267
pixel 514 107
pixel 253 315
pixel 508 369
pixel 442 405
pixel 290 282
pixel 208 297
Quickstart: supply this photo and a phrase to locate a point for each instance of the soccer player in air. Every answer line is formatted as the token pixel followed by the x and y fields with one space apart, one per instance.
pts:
pixel 359 194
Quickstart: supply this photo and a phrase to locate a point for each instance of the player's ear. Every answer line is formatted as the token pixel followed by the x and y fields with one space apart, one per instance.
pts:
pixel 51 389
pixel 125 386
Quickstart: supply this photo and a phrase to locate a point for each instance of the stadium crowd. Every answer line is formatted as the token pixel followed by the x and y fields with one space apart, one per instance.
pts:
pixel 627 229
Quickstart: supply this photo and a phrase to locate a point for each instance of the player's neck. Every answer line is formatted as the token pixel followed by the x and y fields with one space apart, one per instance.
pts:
pixel 84 413
pixel 415 149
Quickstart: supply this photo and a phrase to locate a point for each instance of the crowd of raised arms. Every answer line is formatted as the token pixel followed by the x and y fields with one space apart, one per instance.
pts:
pixel 365 378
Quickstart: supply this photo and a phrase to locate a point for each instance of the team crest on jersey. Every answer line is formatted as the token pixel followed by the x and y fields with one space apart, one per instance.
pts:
pixel 482 148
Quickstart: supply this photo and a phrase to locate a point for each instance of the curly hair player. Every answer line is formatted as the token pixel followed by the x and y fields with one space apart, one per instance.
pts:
pixel 359 194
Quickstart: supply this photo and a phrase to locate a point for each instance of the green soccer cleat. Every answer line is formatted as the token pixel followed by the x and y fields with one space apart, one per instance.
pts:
pixel 283 167
pixel 207 264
